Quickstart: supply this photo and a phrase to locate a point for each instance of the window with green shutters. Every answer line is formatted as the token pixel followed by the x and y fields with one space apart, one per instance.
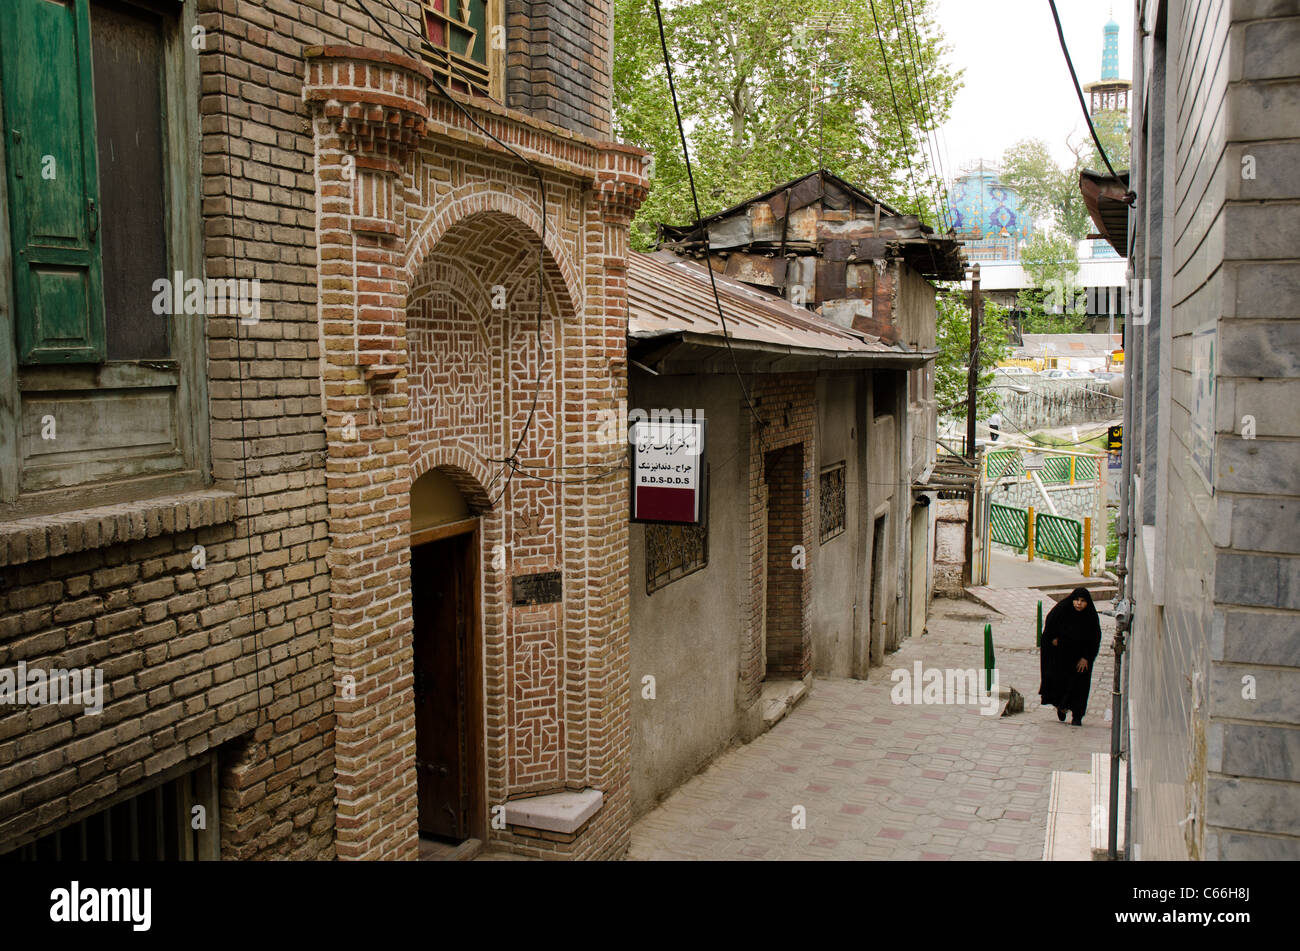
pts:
pixel 49 117
pixel 102 399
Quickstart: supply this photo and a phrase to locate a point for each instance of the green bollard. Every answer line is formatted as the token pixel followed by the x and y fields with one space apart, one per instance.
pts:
pixel 988 657
pixel 1040 625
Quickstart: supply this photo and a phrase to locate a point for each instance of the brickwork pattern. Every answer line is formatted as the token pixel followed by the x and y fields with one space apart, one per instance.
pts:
pixel 786 639
pixel 183 649
pixel 473 377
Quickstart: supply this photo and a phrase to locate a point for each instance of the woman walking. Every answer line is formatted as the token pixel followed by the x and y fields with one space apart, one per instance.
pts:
pixel 1071 639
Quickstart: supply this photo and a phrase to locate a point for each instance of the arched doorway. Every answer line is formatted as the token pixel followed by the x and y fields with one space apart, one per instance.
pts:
pixel 448 663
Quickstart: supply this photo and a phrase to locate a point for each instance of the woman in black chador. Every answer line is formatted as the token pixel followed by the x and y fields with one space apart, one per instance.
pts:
pixel 1071 639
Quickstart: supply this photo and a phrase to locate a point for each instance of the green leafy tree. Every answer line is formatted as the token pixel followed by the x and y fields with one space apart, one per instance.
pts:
pixel 1115 134
pixel 951 373
pixel 1050 190
pixel 1046 189
pixel 770 91
pixel 1053 303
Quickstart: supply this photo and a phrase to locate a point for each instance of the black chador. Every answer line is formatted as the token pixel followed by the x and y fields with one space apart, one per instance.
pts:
pixel 1071 634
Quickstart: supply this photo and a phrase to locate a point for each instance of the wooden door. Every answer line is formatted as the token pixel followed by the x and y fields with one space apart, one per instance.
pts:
pixel 442 599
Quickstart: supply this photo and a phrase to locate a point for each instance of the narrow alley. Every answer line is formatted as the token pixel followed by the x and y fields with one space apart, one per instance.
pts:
pixel 879 780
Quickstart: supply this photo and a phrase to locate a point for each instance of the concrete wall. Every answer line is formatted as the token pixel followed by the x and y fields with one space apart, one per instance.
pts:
pixel 694 635
pixel 949 547
pixel 687 635
pixel 1053 403
pixel 1216 572
pixel 839 597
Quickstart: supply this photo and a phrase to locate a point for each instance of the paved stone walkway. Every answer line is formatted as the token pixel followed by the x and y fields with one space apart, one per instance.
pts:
pixel 877 780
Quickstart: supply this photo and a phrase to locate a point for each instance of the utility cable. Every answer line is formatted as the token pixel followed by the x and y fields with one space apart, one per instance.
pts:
pixel 912 80
pixel 1131 196
pixel 541 252
pixel 690 176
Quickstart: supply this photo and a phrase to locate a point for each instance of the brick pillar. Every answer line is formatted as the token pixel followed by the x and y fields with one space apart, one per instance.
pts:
pixel 370 111
pixel 599 675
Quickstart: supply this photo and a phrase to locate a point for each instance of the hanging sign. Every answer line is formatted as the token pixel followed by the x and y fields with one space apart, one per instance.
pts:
pixel 1114 438
pixel 1033 461
pixel 667 471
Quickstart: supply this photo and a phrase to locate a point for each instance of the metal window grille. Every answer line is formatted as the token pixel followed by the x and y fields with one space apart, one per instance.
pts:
pixel 674 551
pixel 832 505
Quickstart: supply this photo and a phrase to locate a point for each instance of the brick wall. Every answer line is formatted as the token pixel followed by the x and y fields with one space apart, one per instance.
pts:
pixel 558 62
pixel 787 641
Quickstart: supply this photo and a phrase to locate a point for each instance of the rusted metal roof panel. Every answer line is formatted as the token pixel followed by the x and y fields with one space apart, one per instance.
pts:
pixel 668 295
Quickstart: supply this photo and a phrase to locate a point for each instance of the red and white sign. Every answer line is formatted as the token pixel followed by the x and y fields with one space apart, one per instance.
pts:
pixel 667 471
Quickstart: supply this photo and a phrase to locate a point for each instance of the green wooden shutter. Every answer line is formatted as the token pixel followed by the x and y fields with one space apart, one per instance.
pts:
pixel 49 128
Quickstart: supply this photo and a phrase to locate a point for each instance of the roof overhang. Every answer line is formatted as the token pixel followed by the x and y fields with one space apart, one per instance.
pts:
pixel 1108 199
pixel 677 353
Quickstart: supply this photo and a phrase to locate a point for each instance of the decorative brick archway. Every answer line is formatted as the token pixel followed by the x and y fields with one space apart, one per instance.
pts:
pixel 407 191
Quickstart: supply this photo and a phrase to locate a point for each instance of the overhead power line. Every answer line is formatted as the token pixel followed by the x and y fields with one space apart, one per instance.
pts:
pixel 1083 104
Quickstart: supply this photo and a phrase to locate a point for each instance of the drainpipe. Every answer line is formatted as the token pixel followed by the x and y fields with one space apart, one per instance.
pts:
pixel 1125 532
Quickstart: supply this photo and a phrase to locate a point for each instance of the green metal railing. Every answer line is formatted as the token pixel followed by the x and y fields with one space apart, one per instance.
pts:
pixel 1009 526
pixel 1004 462
pixel 1058 539
pixel 1057 469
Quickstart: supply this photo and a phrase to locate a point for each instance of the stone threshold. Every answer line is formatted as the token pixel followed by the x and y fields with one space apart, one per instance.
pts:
pixel 564 812
pixel 780 697
pixel 38 537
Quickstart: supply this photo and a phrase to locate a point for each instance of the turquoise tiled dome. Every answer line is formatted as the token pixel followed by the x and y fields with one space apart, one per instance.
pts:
pixel 982 207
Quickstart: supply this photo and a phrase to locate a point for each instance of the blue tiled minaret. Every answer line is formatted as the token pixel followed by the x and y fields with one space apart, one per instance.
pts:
pixel 1109 101
pixel 1110 53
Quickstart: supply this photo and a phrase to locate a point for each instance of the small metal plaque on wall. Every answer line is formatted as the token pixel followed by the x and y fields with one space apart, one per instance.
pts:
pixel 544 588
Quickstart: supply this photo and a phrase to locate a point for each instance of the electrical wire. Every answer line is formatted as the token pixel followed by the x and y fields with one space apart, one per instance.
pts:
pixel 912 79
pixel 690 177
pixel 930 110
pixel 1131 196
pixel 541 252
pixel 902 126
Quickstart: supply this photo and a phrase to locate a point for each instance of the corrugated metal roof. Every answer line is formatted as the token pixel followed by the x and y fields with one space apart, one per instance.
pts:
pixel 668 295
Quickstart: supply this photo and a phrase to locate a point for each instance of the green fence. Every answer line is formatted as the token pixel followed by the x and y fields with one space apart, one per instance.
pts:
pixel 1056 469
pixel 1058 539
pixel 1009 526
pixel 1004 462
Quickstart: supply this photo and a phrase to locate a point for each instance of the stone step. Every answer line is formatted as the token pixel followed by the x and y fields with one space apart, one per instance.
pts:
pixel 1077 811
pixel 1069 811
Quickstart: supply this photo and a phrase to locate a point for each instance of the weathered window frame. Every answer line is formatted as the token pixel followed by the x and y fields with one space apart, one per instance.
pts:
pixel 494 61
pixel 132 473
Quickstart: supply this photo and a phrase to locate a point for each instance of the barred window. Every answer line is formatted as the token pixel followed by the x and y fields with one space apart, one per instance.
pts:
pixel 832 501
pixel 674 551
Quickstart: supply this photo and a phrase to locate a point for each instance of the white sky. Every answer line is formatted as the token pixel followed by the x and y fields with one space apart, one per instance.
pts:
pixel 1017 84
